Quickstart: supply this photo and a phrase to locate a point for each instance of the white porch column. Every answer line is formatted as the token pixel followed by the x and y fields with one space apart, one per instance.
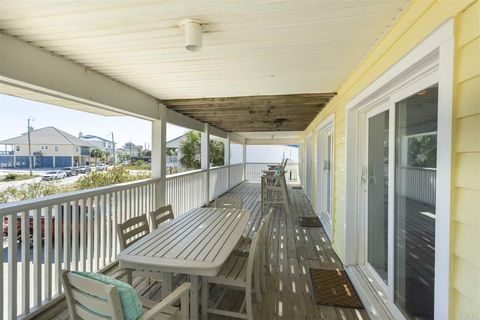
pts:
pixel 226 157
pixel 159 155
pixel 244 162
pixel 205 162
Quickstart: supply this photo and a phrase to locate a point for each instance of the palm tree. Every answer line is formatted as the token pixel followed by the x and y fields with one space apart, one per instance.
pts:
pixel 190 149
pixel 96 153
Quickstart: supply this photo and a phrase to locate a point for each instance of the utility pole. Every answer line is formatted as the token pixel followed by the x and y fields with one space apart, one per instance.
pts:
pixel 114 155
pixel 29 145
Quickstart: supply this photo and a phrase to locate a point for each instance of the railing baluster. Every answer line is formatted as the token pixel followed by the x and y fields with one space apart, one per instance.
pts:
pixel 96 236
pixel 75 234
pixel 37 263
pixel 12 266
pixel 109 227
pixel 58 248
pixel 47 243
pixel 102 231
pixel 90 233
pixel 25 246
pixel 67 216
pixel 83 246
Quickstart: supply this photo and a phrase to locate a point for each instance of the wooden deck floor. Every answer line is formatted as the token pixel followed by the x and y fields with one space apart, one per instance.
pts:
pixel 292 251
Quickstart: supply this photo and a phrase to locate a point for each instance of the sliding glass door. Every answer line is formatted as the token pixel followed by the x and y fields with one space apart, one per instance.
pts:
pixel 400 184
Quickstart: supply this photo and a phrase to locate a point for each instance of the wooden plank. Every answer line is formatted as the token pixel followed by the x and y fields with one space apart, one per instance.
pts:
pixel 287 112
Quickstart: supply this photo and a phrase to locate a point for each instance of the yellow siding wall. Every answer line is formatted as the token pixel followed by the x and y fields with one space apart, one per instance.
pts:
pixel 418 20
pixel 466 163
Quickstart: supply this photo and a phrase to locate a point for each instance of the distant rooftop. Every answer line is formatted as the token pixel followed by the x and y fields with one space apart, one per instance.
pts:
pixel 47 135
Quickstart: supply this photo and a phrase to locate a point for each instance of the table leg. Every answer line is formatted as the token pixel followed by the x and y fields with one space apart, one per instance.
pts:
pixel 167 283
pixel 194 297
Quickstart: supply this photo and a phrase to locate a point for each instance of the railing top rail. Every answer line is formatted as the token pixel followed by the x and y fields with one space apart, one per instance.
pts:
pixel 24 205
pixel 218 167
pixel 291 163
pixel 186 173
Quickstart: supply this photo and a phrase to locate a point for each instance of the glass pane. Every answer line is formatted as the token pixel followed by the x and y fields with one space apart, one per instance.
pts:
pixel 378 193
pixel 415 183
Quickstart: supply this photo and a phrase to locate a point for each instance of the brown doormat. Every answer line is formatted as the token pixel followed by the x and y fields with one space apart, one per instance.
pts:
pixel 297 187
pixel 310 222
pixel 333 288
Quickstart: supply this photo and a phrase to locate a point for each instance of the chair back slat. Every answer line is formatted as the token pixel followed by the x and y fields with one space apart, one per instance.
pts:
pixel 161 215
pixel 86 298
pixel 132 230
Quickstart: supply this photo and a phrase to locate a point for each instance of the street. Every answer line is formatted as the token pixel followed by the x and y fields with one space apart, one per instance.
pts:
pixel 60 182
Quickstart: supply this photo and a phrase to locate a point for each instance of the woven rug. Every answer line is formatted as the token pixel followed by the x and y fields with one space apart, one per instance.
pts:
pixel 333 288
pixel 310 222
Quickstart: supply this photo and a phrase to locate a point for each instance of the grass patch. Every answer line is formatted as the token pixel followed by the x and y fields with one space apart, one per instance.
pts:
pixel 17 177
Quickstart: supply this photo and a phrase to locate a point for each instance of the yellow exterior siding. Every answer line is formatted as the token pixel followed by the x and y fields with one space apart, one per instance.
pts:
pixel 417 21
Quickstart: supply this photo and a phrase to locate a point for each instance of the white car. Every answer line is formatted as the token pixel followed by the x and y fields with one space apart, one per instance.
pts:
pixel 53 175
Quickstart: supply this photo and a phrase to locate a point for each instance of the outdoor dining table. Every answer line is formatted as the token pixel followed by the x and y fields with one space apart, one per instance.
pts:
pixel 196 243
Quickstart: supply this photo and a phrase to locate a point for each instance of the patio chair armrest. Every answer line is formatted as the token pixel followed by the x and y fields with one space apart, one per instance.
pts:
pixel 182 292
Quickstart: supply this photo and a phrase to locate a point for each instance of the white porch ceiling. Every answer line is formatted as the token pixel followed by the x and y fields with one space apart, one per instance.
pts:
pixel 250 48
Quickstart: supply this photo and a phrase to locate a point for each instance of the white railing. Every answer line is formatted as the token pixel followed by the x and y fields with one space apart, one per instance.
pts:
pixel 236 174
pixel 218 181
pixel 74 230
pixel 254 170
pixel 185 191
pixel 420 184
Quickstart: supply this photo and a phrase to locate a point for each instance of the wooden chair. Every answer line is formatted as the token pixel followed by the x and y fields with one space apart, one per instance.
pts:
pixel 229 202
pixel 161 215
pixel 130 232
pixel 85 296
pixel 237 272
pixel 243 249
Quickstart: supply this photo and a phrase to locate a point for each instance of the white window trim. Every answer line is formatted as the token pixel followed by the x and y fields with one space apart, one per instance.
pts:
pixel 329 121
pixel 435 51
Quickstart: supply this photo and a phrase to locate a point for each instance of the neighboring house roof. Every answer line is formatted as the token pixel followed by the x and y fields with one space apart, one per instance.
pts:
pixel 48 136
pixel 92 137
pixel 174 143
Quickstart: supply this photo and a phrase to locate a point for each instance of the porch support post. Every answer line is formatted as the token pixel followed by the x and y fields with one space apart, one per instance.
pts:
pixel 226 157
pixel 159 155
pixel 205 163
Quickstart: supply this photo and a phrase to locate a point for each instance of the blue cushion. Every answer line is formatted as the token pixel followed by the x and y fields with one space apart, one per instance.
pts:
pixel 131 305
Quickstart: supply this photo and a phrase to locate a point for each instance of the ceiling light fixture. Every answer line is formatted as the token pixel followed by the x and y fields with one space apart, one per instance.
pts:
pixel 193 34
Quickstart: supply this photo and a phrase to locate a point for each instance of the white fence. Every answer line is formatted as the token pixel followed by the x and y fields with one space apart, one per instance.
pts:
pixel 185 191
pixel 236 174
pixel 218 181
pixel 74 230
pixel 254 171
pixel 420 184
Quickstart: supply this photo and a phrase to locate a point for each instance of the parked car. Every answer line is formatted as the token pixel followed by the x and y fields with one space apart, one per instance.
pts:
pixel 70 171
pixel 54 175
pixel 101 167
pixel 84 169
pixel 125 163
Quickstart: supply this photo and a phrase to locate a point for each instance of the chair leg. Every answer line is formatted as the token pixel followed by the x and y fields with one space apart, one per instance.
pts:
pixel 248 302
pixel 205 290
pixel 258 290
pixel 262 270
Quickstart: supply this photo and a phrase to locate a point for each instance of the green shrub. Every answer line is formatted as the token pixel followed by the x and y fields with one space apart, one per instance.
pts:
pixel 28 191
pixel 10 177
pixel 97 179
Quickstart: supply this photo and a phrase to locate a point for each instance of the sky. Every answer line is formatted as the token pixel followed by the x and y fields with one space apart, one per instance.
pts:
pixel 14 113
